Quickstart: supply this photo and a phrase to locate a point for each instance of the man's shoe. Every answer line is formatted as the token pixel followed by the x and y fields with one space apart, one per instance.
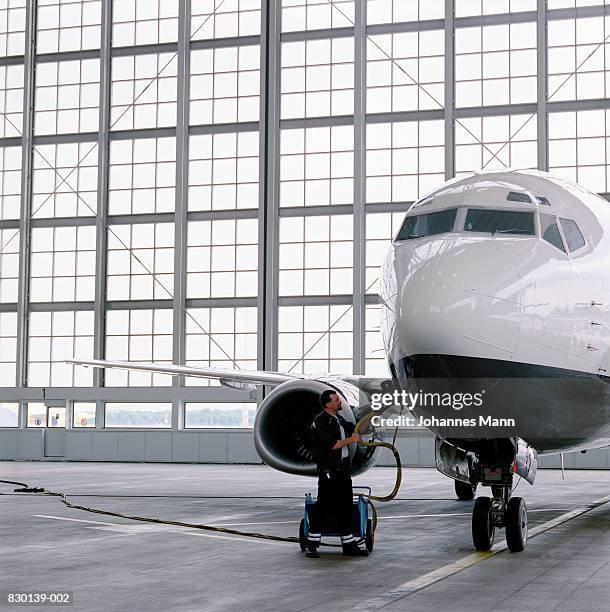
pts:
pixel 352 550
pixel 312 552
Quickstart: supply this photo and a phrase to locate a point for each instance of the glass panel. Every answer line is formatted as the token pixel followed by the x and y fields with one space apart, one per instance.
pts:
pixel 224 85
pixel 217 414
pixel 317 78
pixel 220 338
pixel 574 237
pixel 83 415
pixel 11 100
pixel 464 8
pixel 427 225
pixel 55 337
pixel 67 97
pixel 9 265
pixel 315 339
pixel 142 176
pixel 495 64
pixel 149 415
pixel 56 416
pixel 36 414
pixel 68 25
pixel 144 23
pixel 578 58
pixel 8 348
pixel 498 221
pixel 316 255
pixel 578 147
pixel 395 11
pixel 405 71
pixel 375 360
pixel 12 27
pixel 9 414
pixel 222 258
pixel 493 143
pixel 144 90
pixel 404 160
pixel 317 166
pixel 223 171
pixel 380 230
pixel 10 182
pixel 65 180
pixel 300 15
pixel 141 336
pixel 140 261
pixel 219 19
pixel 63 264
pixel 550 232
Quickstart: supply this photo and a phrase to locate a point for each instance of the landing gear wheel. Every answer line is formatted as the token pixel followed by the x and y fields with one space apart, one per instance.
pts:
pixel 302 537
pixel 515 521
pixel 483 528
pixel 464 490
pixel 369 537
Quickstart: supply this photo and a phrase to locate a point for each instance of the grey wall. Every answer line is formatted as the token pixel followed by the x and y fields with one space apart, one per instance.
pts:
pixel 210 446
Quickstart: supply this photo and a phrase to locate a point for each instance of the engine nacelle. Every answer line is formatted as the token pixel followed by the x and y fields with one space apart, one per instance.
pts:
pixel 283 416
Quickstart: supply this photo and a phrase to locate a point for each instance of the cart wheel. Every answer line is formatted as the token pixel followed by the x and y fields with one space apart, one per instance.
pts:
pixel 302 538
pixel 369 538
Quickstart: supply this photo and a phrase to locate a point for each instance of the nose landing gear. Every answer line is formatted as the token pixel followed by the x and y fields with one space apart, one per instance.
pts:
pixel 499 511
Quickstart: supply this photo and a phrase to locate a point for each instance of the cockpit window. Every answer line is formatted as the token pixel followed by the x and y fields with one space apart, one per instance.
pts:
pixel 550 232
pixel 572 233
pixel 427 225
pixel 499 221
pixel 515 196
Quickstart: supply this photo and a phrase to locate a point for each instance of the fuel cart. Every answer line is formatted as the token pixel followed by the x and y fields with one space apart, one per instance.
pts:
pixel 363 526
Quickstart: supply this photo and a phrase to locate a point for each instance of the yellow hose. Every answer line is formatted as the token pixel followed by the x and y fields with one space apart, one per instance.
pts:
pixel 394 451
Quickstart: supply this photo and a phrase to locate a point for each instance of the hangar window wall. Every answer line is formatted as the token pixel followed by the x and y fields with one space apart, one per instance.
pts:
pixel 218 188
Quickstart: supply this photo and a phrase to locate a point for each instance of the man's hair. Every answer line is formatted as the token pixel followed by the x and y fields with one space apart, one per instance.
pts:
pixel 325 397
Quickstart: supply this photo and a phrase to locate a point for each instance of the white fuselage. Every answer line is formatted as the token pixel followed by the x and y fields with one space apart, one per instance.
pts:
pixel 498 305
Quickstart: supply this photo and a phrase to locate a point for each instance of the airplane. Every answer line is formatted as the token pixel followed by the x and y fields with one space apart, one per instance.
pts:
pixel 496 283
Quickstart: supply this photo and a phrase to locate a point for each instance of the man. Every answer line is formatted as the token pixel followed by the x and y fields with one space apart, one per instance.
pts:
pixel 331 435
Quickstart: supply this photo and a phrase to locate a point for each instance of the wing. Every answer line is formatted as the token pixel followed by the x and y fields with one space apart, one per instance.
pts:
pixel 252 377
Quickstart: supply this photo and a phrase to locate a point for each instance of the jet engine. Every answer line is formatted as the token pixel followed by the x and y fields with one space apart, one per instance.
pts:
pixel 284 415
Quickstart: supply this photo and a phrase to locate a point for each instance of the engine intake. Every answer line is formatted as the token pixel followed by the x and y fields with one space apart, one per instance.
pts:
pixel 283 416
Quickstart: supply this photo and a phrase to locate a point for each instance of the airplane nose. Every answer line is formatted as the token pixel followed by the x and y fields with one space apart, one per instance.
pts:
pixel 466 300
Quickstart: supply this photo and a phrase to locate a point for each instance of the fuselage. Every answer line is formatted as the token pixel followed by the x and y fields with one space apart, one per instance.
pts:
pixel 500 282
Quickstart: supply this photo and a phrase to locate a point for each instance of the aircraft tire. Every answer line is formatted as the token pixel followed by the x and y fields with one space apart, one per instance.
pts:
pixel 483 528
pixel 515 521
pixel 464 491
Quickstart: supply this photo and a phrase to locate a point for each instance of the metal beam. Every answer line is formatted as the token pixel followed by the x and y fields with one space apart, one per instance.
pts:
pixel 26 201
pixel 230 41
pixel 422 115
pixel 315 300
pixel 268 226
pixel 359 219
pixel 60 306
pixel 405 26
pixel 449 111
pixel 315 211
pixel 309 122
pixel 542 86
pixel 101 237
pixel 180 232
pixel 317 34
pixel 225 128
pixel 127 394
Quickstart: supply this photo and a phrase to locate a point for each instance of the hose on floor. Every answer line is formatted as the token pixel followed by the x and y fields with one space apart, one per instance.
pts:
pixel 250 534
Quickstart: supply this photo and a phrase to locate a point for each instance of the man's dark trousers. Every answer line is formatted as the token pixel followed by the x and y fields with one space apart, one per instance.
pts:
pixel 335 503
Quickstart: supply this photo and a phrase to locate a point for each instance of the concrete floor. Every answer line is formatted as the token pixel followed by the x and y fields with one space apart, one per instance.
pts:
pixel 115 564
